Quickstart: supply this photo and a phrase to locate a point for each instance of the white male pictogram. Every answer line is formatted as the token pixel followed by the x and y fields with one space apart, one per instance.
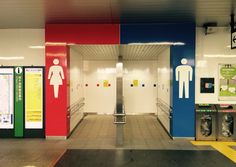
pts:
pixel 184 74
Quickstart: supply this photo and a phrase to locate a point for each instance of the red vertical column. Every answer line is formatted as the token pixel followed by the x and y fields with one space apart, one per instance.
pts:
pixel 57 90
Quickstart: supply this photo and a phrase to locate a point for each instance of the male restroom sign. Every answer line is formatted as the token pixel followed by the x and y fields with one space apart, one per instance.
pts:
pixel 184 74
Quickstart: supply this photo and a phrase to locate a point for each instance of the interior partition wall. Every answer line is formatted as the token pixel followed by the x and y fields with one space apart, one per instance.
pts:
pixel 181 37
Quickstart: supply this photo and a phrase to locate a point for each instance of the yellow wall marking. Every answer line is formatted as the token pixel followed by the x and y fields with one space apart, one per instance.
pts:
pixel 222 147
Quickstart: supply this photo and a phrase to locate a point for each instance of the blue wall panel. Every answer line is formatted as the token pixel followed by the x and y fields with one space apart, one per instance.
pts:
pixel 183 122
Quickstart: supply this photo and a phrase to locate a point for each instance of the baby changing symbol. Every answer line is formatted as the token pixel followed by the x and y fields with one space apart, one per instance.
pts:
pixel 184 74
pixel 56 75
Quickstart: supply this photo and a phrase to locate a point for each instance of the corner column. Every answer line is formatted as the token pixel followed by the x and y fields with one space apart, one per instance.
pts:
pixel 57 90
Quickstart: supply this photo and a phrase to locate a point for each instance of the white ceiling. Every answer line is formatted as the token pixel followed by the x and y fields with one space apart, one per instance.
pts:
pixel 35 13
pixel 128 52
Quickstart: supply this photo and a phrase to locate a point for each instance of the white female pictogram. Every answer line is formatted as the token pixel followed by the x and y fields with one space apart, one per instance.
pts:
pixel 56 76
pixel 184 74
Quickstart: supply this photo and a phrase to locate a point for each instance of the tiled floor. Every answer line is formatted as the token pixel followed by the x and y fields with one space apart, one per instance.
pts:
pixel 94 132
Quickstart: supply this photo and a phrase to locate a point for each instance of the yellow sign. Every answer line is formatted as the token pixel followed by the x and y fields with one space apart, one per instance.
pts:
pixel 135 83
pixel 105 83
pixel 34 98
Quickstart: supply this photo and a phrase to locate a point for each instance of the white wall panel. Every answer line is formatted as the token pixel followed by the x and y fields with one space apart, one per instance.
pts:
pixel 76 87
pixel 76 76
pixel 16 42
pixel 139 100
pixel 163 92
pixel 100 99
pixel 211 50
pixel 164 76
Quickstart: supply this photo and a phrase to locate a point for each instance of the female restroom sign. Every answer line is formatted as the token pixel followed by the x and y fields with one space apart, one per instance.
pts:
pixel 56 75
pixel 184 74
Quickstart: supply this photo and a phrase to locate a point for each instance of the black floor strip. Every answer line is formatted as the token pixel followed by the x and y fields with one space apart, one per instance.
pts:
pixel 143 158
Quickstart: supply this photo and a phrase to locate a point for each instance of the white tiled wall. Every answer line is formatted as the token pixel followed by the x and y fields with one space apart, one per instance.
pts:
pixel 137 100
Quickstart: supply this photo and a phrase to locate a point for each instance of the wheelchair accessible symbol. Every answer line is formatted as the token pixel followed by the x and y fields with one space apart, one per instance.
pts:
pixel 184 74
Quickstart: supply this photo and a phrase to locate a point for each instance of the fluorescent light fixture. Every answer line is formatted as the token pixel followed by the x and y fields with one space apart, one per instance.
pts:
pixel 71 44
pixel 55 43
pixel 37 47
pixel 159 43
pixel 11 58
pixel 220 56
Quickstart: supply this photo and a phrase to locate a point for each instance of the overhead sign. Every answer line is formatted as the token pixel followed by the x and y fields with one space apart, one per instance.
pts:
pixel 33 98
pixel 6 96
pixel 233 39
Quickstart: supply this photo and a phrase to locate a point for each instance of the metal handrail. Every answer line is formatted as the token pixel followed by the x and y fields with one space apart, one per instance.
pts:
pixel 164 106
pixel 76 107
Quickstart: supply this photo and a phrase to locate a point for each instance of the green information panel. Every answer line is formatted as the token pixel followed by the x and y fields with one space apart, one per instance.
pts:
pixel 19 123
pixel 227 82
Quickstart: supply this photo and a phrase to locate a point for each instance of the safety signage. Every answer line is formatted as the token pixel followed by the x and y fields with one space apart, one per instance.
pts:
pixel 33 98
pixel 233 39
pixel 135 83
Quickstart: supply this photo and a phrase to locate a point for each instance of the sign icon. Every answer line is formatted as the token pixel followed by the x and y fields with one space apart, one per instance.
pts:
pixel 233 40
pixel 18 70
pixel 56 75
pixel 184 74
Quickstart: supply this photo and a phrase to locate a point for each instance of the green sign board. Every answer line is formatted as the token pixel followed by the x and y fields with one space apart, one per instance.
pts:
pixel 227 82
pixel 19 124
pixel 228 72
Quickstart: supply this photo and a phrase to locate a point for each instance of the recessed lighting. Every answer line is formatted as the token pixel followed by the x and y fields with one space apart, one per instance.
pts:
pixel 222 56
pixel 71 44
pixel 37 47
pixel 55 43
pixel 11 58
pixel 159 43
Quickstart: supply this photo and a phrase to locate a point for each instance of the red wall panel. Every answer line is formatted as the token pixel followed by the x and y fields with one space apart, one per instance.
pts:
pixel 56 108
pixel 83 33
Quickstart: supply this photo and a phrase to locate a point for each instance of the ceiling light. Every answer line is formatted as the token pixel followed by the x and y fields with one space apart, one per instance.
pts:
pixel 159 43
pixel 37 47
pixel 71 44
pixel 11 58
pixel 55 43
pixel 223 56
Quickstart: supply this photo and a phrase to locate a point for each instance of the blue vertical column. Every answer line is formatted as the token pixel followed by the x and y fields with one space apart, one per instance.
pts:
pixel 183 120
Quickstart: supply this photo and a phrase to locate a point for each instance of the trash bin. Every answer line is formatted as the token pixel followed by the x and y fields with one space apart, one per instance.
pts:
pixel 226 122
pixel 206 122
